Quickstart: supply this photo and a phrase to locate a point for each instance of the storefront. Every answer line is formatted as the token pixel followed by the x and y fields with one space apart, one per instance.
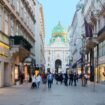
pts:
pixel 21 49
pixel 5 70
pixel 100 70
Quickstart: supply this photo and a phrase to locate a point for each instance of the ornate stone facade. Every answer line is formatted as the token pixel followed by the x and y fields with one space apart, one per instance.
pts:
pixel 57 52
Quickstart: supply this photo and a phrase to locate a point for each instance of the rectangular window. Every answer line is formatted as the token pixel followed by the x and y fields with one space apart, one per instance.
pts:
pixel 100 49
pixel 17 5
pixel 12 26
pixel 0 18
pixel 6 23
pixel 17 30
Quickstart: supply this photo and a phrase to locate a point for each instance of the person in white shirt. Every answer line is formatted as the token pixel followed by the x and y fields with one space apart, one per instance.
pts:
pixel 38 78
pixel 33 82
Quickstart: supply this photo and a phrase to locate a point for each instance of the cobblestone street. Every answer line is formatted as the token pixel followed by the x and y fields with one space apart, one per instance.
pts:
pixel 58 95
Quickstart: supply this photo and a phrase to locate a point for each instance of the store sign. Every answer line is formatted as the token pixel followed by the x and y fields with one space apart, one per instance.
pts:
pixel 4 38
pixel 4 50
pixel 101 60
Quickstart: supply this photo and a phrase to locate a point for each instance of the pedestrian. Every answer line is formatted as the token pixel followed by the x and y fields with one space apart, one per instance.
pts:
pixel 44 78
pixel 66 79
pixel 50 79
pixel 33 82
pixel 82 78
pixel 21 78
pixel 85 79
pixel 71 78
pixel 61 77
pixel 56 77
pixel 38 78
pixel 75 77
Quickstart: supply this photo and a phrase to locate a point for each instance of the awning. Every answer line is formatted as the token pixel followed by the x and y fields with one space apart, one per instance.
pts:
pixel 20 40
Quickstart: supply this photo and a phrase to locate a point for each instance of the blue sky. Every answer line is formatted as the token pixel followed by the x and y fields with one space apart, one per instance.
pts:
pixel 55 11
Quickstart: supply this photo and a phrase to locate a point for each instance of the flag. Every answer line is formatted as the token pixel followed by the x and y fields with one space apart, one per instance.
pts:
pixel 88 29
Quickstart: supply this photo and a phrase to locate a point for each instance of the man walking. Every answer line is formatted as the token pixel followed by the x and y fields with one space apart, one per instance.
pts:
pixel 50 79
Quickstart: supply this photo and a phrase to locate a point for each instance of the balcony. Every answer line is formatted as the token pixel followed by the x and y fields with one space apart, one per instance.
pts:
pixel 90 43
pixel 101 35
pixel 20 48
pixel 19 40
pixel 93 18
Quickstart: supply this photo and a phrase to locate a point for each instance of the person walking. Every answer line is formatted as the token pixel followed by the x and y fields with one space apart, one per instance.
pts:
pixel 61 77
pixel 75 77
pixel 71 78
pixel 66 79
pixel 82 78
pixel 50 79
pixel 85 79
pixel 44 78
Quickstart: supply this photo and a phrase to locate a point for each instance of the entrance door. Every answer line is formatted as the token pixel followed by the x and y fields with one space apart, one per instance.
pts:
pixel 58 64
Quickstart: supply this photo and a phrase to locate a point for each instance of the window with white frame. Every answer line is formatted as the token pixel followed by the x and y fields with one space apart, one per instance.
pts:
pixel 0 18
pixel 6 23
pixel 17 30
pixel 17 5
pixel 12 26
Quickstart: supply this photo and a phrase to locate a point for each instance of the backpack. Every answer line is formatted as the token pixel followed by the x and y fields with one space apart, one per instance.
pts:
pixel 50 77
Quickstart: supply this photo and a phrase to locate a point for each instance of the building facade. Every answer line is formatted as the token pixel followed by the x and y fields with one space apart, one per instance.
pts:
pixel 39 35
pixel 57 52
pixel 75 31
pixel 17 21
pixel 93 11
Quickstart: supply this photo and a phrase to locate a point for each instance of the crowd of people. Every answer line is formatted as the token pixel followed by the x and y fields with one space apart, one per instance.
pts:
pixel 44 78
pixel 69 79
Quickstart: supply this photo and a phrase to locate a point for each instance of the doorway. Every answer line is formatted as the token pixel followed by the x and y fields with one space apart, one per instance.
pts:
pixel 58 64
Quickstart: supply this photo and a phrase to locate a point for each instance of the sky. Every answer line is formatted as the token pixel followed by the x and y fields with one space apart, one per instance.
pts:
pixel 55 11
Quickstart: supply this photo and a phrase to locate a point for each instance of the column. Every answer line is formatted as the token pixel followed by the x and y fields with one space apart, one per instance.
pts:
pixel 1 74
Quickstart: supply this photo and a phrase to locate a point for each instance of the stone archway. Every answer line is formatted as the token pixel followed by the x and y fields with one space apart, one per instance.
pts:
pixel 58 64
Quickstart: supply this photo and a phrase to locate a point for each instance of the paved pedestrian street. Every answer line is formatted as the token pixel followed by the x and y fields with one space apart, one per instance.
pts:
pixel 58 95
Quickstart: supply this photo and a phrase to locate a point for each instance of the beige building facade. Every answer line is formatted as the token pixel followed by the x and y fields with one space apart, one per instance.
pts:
pixel 17 20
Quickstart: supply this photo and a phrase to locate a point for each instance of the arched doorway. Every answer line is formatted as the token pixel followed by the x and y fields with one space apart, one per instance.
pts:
pixel 58 64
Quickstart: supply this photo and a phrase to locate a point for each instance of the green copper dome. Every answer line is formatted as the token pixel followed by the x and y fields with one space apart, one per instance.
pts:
pixel 58 34
pixel 58 30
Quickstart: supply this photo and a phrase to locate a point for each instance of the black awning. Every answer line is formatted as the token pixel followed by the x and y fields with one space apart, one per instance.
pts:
pixel 74 65
pixel 20 40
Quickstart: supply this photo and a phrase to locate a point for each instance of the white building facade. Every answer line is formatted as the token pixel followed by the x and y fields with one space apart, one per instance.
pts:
pixel 92 48
pixel 75 33
pixel 39 35
pixel 57 52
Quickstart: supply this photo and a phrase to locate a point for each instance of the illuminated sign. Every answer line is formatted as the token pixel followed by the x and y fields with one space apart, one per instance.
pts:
pixel 2 45
pixel 4 50
pixel 4 38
